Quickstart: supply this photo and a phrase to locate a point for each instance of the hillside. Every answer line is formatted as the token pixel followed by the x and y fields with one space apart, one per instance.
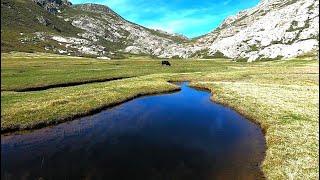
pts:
pixel 101 24
pixel 22 20
pixel 273 29
pixel 86 29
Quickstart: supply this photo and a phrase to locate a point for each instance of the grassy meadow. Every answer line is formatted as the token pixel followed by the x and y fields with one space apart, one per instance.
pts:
pixel 282 96
pixel 21 72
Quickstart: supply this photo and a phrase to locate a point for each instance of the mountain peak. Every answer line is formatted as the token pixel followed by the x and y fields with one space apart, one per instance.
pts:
pixel 92 7
pixel 273 29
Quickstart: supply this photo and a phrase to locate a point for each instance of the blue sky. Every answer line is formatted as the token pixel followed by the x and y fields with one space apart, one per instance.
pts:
pixel 188 17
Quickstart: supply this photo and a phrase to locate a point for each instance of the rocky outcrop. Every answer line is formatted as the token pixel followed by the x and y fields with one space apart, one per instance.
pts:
pixel 273 29
pixel 52 6
pixel 104 24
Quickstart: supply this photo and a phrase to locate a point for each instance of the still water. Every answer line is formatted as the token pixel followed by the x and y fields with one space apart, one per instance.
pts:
pixel 183 135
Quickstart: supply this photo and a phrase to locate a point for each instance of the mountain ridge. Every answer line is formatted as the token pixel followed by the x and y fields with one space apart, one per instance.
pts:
pixel 96 30
pixel 267 28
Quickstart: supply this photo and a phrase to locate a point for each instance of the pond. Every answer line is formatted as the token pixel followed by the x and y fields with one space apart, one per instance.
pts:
pixel 182 135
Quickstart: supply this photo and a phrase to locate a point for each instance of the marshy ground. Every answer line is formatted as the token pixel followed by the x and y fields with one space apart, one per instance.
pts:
pixel 281 96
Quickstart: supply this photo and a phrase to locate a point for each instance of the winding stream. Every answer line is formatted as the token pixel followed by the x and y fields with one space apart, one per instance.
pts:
pixel 183 135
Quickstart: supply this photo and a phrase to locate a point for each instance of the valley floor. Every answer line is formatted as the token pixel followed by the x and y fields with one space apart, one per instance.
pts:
pixel 282 96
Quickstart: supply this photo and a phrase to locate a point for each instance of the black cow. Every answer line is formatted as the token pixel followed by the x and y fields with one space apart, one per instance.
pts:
pixel 166 63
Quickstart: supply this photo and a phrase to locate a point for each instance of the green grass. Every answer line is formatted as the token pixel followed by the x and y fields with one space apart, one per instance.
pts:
pixel 286 105
pixel 289 116
pixel 281 96
pixel 20 16
pixel 29 110
pixel 20 72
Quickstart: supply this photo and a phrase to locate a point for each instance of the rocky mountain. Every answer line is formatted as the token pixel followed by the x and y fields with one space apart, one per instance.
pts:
pixel 23 20
pixel 101 23
pixel 273 29
pixel 56 26
pixel 52 6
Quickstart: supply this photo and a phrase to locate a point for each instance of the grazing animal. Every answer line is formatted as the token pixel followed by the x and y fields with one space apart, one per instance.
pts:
pixel 166 63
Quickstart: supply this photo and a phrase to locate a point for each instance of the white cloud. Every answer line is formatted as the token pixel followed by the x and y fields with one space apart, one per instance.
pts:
pixel 227 2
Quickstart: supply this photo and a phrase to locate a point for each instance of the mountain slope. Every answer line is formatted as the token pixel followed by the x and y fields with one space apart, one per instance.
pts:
pixel 87 29
pixel 100 22
pixel 273 29
pixel 20 19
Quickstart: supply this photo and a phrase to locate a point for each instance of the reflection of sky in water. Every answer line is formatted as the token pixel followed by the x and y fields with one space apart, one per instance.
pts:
pixel 160 132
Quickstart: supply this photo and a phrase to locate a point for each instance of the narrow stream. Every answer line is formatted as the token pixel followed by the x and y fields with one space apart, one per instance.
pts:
pixel 183 135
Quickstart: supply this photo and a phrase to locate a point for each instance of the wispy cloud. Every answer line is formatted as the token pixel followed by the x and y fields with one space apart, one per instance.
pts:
pixel 188 17
pixel 227 2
